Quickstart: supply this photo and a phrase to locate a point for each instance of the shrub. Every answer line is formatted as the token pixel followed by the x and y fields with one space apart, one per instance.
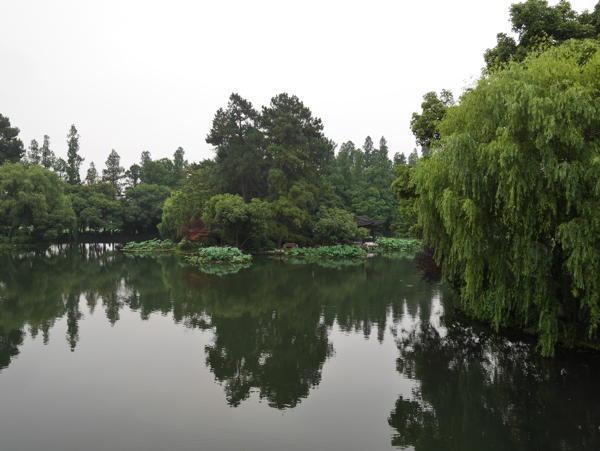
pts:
pixel 336 226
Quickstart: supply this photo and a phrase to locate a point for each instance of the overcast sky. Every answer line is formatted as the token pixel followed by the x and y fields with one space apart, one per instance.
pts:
pixel 146 75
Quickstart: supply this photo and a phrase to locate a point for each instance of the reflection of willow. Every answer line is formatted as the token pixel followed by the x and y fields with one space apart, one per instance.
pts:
pixel 476 391
pixel 270 322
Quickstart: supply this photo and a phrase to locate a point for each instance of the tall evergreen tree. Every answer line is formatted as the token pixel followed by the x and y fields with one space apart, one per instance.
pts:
pixel 295 141
pixel 47 154
pixel 368 151
pixel 74 160
pixel 34 155
pixel 146 158
pixel 91 177
pixel 413 158
pixel 113 172
pixel 11 147
pixel 60 167
pixel 238 144
pixel 399 159
pixel 133 175
pixel 179 164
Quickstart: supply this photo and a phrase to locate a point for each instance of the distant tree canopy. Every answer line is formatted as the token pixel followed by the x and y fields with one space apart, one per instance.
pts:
pixel 510 202
pixel 539 24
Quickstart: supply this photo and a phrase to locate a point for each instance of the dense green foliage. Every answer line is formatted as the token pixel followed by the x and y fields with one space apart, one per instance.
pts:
pixel 33 203
pixel 335 225
pixel 320 252
pixel 187 202
pixel 510 201
pixel 142 207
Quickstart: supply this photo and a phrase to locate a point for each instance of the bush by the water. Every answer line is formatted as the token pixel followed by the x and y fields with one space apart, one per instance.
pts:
pixel 226 254
pixel 398 244
pixel 338 251
pixel 150 245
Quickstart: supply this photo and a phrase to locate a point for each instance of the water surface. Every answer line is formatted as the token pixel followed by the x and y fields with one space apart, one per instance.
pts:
pixel 103 351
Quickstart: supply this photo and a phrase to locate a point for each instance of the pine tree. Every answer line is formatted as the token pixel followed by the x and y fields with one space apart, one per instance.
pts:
pixel 47 154
pixel 368 150
pixel 11 147
pixel 60 167
pixel 91 177
pixel 133 175
pixel 113 172
pixel 399 159
pixel 413 158
pixel 74 160
pixel 179 164
pixel 34 155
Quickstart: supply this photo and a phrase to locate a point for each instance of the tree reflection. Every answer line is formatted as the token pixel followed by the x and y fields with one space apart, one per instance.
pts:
pixel 270 323
pixel 480 391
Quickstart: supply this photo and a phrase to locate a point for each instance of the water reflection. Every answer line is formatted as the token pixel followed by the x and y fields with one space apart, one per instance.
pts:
pixel 271 335
pixel 477 390
pixel 270 323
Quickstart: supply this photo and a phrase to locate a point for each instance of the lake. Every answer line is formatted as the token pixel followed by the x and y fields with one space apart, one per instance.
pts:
pixel 105 351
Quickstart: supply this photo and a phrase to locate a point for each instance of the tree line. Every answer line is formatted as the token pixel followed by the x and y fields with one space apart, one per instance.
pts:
pixel 275 177
pixel 45 196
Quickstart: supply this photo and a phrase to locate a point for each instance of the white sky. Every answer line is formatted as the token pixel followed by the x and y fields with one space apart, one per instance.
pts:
pixel 148 75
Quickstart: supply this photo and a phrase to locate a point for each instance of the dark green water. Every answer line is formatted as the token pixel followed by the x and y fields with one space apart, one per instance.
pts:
pixel 101 351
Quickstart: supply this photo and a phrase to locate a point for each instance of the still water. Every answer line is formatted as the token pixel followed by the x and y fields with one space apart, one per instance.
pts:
pixel 103 351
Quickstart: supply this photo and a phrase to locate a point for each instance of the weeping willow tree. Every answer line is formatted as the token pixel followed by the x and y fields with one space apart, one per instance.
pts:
pixel 510 200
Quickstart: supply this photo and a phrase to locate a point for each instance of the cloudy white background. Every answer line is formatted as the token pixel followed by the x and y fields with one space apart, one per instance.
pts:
pixel 149 75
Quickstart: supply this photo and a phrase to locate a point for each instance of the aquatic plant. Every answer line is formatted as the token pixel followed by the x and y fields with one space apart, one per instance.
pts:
pixel 398 244
pixel 338 251
pixel 150 245
pixel 216 254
